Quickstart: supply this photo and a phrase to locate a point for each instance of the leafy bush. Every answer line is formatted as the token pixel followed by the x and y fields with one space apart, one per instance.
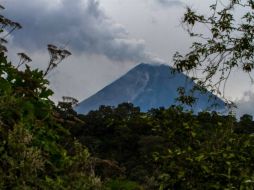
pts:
pixel 37 151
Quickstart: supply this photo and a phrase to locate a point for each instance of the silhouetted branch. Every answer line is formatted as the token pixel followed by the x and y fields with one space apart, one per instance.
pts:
pixel 56 56
pixel 7 26
pixel 23 59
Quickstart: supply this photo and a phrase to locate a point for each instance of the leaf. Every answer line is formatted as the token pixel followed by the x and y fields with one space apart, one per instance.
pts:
pixel 205 168
pixel 200 158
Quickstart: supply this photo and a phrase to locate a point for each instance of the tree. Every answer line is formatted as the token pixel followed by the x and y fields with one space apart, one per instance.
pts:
pixel 37 151
pixel 228 44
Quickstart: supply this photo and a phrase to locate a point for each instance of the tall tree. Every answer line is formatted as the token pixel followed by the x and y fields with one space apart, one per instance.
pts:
pixel 228 44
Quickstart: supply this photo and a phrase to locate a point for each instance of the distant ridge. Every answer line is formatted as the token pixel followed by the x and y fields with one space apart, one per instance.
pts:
pixel 148 86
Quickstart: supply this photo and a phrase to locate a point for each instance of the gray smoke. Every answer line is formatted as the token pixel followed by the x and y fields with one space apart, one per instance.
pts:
pixel 81 25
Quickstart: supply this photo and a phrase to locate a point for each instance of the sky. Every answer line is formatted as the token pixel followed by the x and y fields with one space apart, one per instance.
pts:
pixel 106 39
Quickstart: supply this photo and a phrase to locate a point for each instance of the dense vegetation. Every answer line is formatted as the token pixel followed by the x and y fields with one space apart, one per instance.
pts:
pixel 44 146
pixel 48 146
pixel 36 150
pixel 171 149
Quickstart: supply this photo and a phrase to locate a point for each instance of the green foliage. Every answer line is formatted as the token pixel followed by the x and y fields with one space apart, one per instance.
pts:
pixel 37 152
pixel 227 43
pixel 172 149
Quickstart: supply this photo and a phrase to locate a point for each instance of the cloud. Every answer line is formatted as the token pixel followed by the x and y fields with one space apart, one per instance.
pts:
pixel 169 3
pixel 81 25
pixel 245 105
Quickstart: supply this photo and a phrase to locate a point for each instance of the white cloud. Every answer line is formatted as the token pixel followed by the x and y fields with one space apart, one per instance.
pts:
pixel 245 105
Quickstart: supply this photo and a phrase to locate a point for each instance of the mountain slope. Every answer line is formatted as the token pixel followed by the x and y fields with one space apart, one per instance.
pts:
pixel 147 86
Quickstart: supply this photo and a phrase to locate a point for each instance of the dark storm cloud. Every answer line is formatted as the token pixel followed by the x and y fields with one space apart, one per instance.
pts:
pixel 79 24
pixel 170 2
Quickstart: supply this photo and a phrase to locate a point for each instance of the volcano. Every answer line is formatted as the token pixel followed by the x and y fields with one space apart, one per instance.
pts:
pixel 149 86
